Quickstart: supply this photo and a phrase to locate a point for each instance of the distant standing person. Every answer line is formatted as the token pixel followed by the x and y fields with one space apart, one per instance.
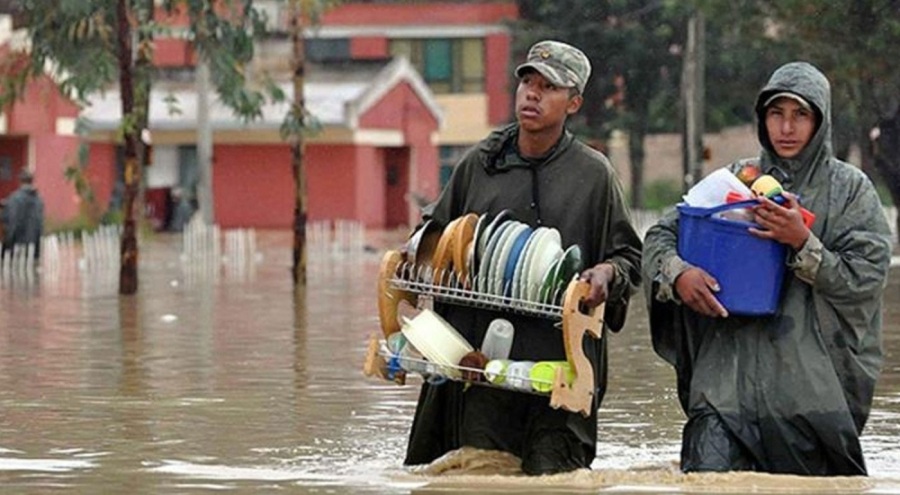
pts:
pixel 182 210
pixel 23 217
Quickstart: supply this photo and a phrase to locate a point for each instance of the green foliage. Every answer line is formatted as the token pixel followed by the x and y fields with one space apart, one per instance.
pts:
pixel 661 194
pixel 78 40
pixel 884 191
pixel 78 225
pixel 630 43
pixel 851 41
pixel 75 39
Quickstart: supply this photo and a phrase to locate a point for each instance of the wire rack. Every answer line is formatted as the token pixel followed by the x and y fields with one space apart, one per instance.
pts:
pixel 488 293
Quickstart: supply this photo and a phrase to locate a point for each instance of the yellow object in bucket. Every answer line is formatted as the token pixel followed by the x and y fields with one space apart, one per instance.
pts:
pixel 543 373
pixel 767 186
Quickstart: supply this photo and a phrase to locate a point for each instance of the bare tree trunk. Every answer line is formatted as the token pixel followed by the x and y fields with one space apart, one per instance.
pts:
pixel 636 133
pixel 128 274
pixel 299 105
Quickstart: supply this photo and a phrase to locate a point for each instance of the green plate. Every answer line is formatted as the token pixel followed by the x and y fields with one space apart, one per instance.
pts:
pixel 560 274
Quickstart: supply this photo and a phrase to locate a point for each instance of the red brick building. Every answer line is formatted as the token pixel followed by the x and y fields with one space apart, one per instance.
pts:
pixel 399 90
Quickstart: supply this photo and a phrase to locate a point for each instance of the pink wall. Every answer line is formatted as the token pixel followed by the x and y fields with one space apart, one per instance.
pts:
pixel 346 182
pixel 370 186
pixel 401 108
pixel 363 47
pixel 497 78
pixel 101 172
pixel 174 53
pixel 430 13
pixel 53 155
pixel 253 186
pixel 331 182
pixel 39 108
pixel 35 116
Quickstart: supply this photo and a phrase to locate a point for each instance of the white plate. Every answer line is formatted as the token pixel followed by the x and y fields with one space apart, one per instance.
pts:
pixel 516 252
pixel 470 262
pixel 484 271
pixel 519 278
pixel 492 224
pixel 502 256
pixel 497 253
pixel 548 250
pixel 525 284
pixel 479 242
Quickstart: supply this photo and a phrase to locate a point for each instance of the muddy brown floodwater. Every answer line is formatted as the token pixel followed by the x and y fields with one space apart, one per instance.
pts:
pixel 220 378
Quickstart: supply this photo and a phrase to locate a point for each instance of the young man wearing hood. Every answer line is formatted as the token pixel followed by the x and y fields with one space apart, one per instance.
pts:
pixel 538 170
pixel 790 392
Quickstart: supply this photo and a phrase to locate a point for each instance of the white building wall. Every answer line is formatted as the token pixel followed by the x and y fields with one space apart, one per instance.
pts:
pixel 163 171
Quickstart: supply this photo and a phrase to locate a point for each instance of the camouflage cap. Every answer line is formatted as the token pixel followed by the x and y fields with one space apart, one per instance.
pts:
pixel 562 64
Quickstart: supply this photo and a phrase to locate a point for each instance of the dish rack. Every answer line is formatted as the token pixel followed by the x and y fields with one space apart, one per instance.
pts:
pixel 419 286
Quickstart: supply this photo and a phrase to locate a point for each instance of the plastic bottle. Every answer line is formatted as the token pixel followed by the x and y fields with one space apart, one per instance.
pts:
pixel 498 339
pixel 495 371
pixel 518 374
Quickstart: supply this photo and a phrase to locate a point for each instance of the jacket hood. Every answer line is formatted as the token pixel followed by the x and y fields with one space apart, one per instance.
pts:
pixel 805 80
pixel 499 150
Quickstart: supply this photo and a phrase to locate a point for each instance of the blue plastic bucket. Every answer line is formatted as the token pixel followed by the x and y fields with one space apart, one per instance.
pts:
pixel 749 270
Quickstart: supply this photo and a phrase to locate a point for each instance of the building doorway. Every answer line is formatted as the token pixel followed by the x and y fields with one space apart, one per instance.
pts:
pixel 396 176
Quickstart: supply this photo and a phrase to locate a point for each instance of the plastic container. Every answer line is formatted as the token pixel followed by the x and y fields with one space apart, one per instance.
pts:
pixel 436 339
pixel 712 189
pixel 543 374
pixel 749 270
pixel 518 374
pixel 498 339
pixel 495 370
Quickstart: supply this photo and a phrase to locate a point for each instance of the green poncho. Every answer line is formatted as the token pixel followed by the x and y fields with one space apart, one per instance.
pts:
pixel 573 189
pixel 791 392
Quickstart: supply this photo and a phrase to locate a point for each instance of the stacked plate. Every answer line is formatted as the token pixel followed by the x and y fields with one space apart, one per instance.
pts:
pixel 449 259
pixel 497 255
pixel 555 280
pixel 508 258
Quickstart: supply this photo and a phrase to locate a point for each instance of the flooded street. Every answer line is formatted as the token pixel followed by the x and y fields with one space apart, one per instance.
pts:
pixel 224 380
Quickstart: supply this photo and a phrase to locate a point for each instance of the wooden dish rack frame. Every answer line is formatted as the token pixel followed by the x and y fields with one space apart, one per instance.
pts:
pixel 420 286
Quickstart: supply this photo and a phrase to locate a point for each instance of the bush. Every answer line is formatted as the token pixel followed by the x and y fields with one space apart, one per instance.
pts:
pixel 77 225
pixel 661 194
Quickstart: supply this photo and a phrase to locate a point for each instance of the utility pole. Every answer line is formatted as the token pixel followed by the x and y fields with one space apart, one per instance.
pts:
pixel 204 145
pixel 693 94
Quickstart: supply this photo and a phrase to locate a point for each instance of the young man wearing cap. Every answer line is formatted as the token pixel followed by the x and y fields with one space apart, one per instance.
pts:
pixel 538 170
pixel 790 392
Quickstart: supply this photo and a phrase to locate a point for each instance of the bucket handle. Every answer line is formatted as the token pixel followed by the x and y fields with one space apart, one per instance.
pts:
pixel 729 206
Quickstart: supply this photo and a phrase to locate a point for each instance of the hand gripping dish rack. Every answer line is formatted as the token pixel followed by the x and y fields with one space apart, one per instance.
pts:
pixel 399 281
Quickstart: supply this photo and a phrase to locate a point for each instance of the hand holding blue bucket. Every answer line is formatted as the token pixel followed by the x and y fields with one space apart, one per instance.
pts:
pixel 750 270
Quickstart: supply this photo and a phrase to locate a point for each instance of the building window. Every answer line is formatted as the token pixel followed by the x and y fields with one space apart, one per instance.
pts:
pixel 327 49
pixel 447 65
